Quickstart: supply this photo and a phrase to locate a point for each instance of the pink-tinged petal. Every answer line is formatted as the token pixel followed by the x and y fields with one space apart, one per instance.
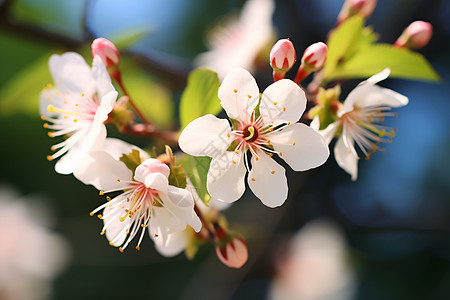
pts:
pixel 102 171
pixel 206 136
pixel 225 180
pixel 72 74
pixel 116 148
pixel 235 253
pixel 181 204
pixel 346 159
pixel 267 180
pixel 101 77
pixel 176 242
pixel 282 102
pixel 156 181
pixel 151 166
pixel 108 101
pixel 116 232
pixel 239 94
pixel 300 146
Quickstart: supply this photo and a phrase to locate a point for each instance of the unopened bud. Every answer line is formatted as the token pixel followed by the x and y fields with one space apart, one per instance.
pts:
pixel 282 55
pixel 313 59
pixel 233 254
pixel 415 36
pixel 354 7
pixel 106 50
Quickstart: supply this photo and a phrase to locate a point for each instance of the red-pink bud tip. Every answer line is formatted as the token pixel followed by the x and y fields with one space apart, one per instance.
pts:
pixel 416 35
pixel 315 55
pixel 282 55
pixel 354 7
pixel 106 50
pixel 234 254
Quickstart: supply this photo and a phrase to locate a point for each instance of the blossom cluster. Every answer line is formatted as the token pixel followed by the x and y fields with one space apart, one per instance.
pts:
pixel 286 124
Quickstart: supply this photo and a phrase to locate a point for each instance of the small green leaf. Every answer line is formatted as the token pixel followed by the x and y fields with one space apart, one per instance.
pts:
pixel 196 169
pixel 342 40
pixel 200 96
pixel 403 63
pixel 177 177
pixel 131 160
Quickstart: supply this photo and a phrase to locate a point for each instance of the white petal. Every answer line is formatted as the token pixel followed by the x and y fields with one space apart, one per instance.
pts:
pixel 101 77
pixel 225 180
pixel 345 158
pixel 315 123
pixel 164 222
pixel 369 94
pixel 282 102
pixel 206 136
pixel 108 101
pixel 102 171
pixel 157 181
pixel 50 97
pixel 378 77
pixel 301 146
pixel 181 204
pixel 175 243
pixel 239 94
pixel 72 74
pixel 329 132
pixel 267 180
pixel 116 231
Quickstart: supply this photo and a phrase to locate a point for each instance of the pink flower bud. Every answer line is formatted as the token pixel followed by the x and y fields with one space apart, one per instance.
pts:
pixel 354 7
pixel 315 55
pixel 234 253
pixel 415 36
pixel 282 55
pixel 106 50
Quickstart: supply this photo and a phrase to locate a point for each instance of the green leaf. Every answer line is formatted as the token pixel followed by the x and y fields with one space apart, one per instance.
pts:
pixel 131 160
pixel 196 169
pixel 200 96
pixel 403 63
pixel 177 177
pixel 342 40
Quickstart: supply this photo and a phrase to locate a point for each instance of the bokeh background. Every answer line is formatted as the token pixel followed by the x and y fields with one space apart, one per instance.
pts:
pixel 390 230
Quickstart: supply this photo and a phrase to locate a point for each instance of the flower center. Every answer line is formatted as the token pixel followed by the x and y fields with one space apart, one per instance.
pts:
pixel 250 134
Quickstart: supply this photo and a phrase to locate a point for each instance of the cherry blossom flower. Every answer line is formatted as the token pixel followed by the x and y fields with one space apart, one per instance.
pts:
pixel 78 106
pixel 238 42
pixel 147 199
pixel 31 256
pixel 358 124
pixel 274 131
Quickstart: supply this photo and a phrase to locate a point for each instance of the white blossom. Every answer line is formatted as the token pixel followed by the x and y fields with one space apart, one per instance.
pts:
pixel 77 107
pixel 275 131
pixel 147 199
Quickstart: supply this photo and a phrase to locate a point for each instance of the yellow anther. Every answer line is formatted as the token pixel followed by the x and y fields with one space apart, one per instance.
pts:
pixel 111 243
pixel 273 172
pixel 253 179
pixel 270 154
pixel 53 148
pixel 101 193
pixel 235 91
pixel 156 235
pixel 118 179
pixel 42 117
pixel 100 216
pixel 143 225
pixel 75 120
pixel 51 134
pixel 108 198
pixel 289 123
pixel 65 101
pixel 76 104
pixel 82 94
pixel 281 154
pixel 257 158
pixel 49 158
pixel 120 249
pixel 236 151
pixel 45 125
pixel 284 108
pixel 228 135
pixel 102 233
pixel 234 162
pixel 293 143
pixel 128 232
pixel 138 248
pixel 91 214
pixel 249 96
pixel 275 103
